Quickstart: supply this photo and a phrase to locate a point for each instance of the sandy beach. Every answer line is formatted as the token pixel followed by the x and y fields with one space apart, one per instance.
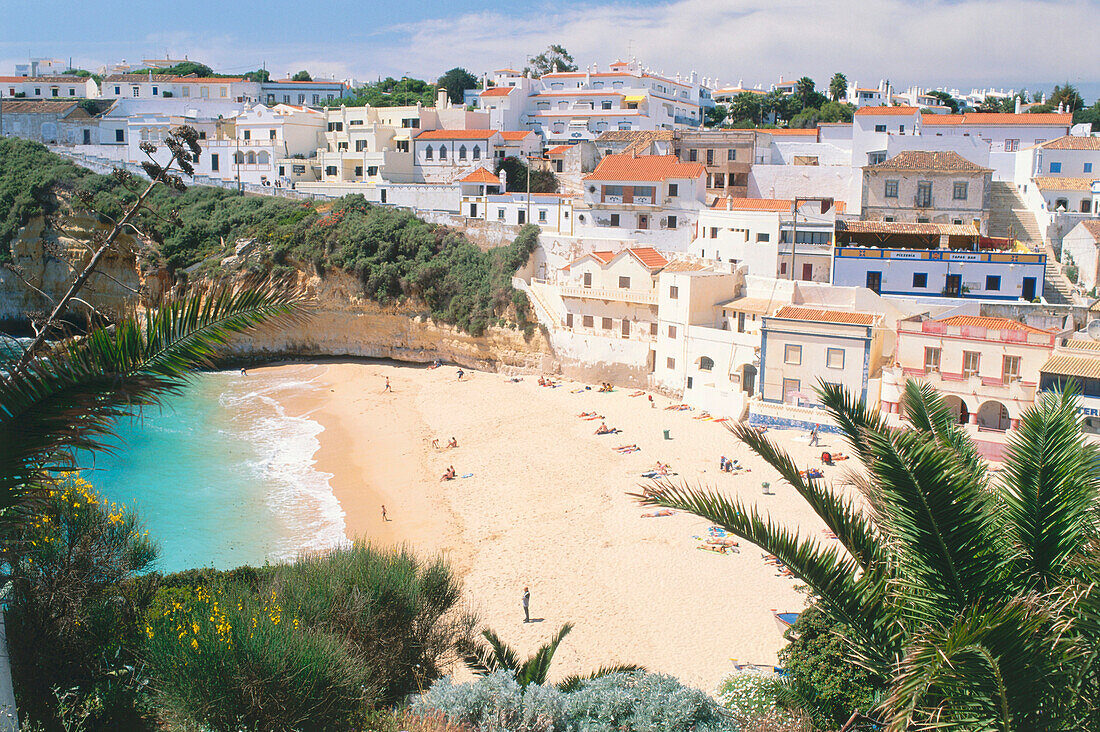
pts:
pixel 545 505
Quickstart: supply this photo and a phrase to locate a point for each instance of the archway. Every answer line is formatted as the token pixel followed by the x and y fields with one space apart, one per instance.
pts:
pixel 993 415
pixel 748 379
pixel 959 412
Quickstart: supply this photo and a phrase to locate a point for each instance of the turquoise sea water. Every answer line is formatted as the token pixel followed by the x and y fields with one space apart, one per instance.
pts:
pixel 222 475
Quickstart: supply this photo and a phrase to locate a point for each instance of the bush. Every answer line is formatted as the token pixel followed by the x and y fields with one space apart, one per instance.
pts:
pixel 759 701
pixel 310 645
pixel 615 703
pixel 72 625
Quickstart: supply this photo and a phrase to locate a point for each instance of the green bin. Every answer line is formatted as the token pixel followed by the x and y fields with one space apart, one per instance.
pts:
pixel 667 437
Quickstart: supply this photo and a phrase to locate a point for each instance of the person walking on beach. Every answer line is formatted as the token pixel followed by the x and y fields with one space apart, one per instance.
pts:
pixel 387 385
pixel 813 436
pixel 384 516
pixel 460 374
pixel 526 604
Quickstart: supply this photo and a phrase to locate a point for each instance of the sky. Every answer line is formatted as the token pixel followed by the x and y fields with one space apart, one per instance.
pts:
pixel 933 43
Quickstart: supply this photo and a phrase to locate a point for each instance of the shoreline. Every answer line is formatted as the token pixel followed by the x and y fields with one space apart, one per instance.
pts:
pixel 544 503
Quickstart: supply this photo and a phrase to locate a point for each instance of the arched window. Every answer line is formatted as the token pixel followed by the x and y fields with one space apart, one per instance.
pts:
pixel 263 158
pixel 462 152
pixel 251 157
pixel 145 133
pixel 238 158
pixel 428 154
pixel 706 363
pixel 1061 203
pixel 442 152
pixel 477 152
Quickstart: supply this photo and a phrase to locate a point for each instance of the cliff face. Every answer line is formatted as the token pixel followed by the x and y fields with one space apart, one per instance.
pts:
pixel 341 323
pixel 42 256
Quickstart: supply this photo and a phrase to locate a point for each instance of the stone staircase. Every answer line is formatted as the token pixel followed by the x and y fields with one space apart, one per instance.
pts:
pixel 1057 289
pixel 1009 216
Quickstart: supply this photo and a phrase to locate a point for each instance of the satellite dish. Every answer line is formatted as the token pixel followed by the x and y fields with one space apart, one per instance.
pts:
pixel 1093 329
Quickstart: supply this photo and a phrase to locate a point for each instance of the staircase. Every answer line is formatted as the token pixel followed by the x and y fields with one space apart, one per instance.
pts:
pixel 1009 216
pixel 1057 289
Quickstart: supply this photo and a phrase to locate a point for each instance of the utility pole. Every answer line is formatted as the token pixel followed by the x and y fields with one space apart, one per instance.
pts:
pixel 528 158
pixel 237 157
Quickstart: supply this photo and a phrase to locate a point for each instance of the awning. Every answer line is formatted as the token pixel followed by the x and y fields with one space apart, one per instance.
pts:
pixel 635 98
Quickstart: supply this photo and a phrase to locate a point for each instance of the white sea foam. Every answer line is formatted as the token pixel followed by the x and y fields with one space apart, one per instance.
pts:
pixel 299 495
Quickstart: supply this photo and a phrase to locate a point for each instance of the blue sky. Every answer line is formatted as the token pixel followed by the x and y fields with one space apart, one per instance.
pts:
pixel 963 43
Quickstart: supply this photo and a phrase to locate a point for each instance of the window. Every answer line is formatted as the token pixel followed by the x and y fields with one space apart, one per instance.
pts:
pixel 791 387
pixel 792 354
pixel 477 152
pixel 271 134
pixel 186 90
pixel 731 154
pixel 72 93
pixel 316 97
pixel 330 170
pixel 962 188
pixel 360 145
pixel 358 171
pixel 671 222
pixel 673 292
pixel 710 156
pixel 428 154
pixel 1010 369
pixel 442 152
pixel 542 215
pixel 670 362
pixel 673 190
pixel 653 329
pixel 1055 167
pixel 626 328
pixel 706 363
pixel 693 155
pixel 924 194
pixel 214 162
pixel 606 323
pixel 672 331
pixel 586 321
pixel 335 126
pixel 993 282
pixel 500 214
pixel 875 158
pixel 569 320
pixel 614 219
pixel 920 279
pixel 891 189
pixel 1012 145
pixel 248 134
pixel 341 147
pixel 932 358
pixel 1088 167
pixel 834 358
pixel 971 360
pixel 154 91
pixel 119 136
pixel 137 91
pixel 643 221
pixel 624 283
pixel 461 152
pixel 880 128
pixel 118 91
pixel 606 104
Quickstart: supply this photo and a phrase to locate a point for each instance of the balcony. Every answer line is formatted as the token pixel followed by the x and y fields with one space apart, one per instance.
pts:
pixel 638 297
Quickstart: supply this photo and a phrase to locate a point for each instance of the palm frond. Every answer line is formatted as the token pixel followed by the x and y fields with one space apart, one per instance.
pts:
pixel 850 526
pixel 1050 486
pixel 576 681
pixel 852 415
pixel 504 655
pixel 537 667
pixel 927 411
pixel 851 597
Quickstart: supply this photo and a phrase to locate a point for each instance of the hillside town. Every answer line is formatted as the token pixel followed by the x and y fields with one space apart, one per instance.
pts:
pixel 732 267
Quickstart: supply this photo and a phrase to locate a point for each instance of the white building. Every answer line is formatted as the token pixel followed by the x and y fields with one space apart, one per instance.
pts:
pixel 47 87
pixel 303 93
pixel 1082 245
pixel 160 86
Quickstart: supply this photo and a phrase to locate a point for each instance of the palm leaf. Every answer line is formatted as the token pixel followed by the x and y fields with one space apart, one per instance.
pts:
pixel 536 669
pixel 928 412
pixel 851 415
pixel 576 681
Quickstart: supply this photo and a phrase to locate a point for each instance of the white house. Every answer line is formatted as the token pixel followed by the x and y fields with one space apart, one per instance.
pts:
pixel 1005 133
pixel 47 87
pixel 159 86
pixel 1076 361
pixel 1082 245
pixel 303 93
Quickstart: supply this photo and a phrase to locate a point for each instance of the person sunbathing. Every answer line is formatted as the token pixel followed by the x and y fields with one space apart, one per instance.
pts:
pixel 435 443
pixel 603 429
pixel 661 468
pixel 452 443
pixel 587 414
pixel 628 448
pixel 449 474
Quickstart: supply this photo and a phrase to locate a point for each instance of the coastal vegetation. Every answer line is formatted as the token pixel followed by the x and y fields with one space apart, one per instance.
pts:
pixel 396 257
pixel 970 597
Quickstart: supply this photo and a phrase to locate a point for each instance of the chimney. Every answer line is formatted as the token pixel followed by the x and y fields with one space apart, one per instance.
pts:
pixel 441 100
pixel 1017 105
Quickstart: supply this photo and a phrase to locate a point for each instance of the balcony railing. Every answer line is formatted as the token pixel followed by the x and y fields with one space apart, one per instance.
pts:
pixel 599 293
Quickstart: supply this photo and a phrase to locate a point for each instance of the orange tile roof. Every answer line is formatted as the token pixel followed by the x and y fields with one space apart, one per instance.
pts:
pixel 799 131
pixel 886 111
pixel 1000 118
pixel 936 161
pixel 1054 183
pixel 456 135
pixel 816 315
pixel 649 257
pixel 515 135
pixel 330 82
pixel 1092 227
pixel 502 71
pixel 603 257
pixel 481 175
pixel 982 321
pixel 498 91
pixel 559 150
pixel 645 168
pixel 47 80
pixel 1072 142
pixel 752 204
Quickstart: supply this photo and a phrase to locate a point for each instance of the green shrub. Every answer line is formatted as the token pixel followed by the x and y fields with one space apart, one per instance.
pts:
pixel 615 703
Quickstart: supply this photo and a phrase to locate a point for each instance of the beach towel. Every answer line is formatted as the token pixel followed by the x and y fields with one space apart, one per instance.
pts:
pixel 721 419
pixel 714 549
pixel 609 432
pixel 578 391
pixel 468 475
pixel 659 513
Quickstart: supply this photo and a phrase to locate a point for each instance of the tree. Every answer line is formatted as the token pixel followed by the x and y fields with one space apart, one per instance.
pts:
pixel 183 68
pixel 1090 115
pixel 716 115
pixel 803 88
pixel 746 107
pixel 516 177
pixel 259 75
pixel 972 597
pixel 838 87
pixel 553 60
pixel 484 658
pixel 946 99
pixel 456 81
pixel 1068 96
pixel 302 76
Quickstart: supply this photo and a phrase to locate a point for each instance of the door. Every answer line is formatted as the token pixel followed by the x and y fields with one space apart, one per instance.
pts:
pixel 522 217
pixel 383 195
pixel 473 210
pixel 748 380
pixel 587 276
pixel 808 272
pixel 954 285
pixel 87 137
pixel 1029 289
pixel 874 282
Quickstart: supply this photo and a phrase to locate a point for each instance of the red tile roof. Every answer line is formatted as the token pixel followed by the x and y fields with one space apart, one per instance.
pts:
pixel 981 321
pixel 1072 142
pixel 940 161
pixel 649 257
pixel 1092 227
pixel 752 204
pixel 790 131
pixel 559 150
pixel 456 134
pixel 46 80
pixel 817 315
pixel 502 71
pixel 1054 183
pixel 481 175
pixel 1000 118
pixel 644 168
pixel 886 111
pixel 905 227
pixel 516 135
pixel 498 91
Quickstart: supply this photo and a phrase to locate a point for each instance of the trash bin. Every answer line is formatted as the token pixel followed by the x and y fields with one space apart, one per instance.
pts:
pixel 767 488
pixel 667 437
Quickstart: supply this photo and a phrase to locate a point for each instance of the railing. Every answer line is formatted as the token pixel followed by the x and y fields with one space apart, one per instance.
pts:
pixel 599 293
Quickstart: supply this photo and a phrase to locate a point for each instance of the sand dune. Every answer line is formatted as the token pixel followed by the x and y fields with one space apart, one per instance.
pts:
pixel 546 506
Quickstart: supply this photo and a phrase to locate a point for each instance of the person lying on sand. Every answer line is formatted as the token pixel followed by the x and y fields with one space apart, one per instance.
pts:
pixel 659 512
pixel 452 443
pixel 603 429
pixel 586 414
pixel 628 448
